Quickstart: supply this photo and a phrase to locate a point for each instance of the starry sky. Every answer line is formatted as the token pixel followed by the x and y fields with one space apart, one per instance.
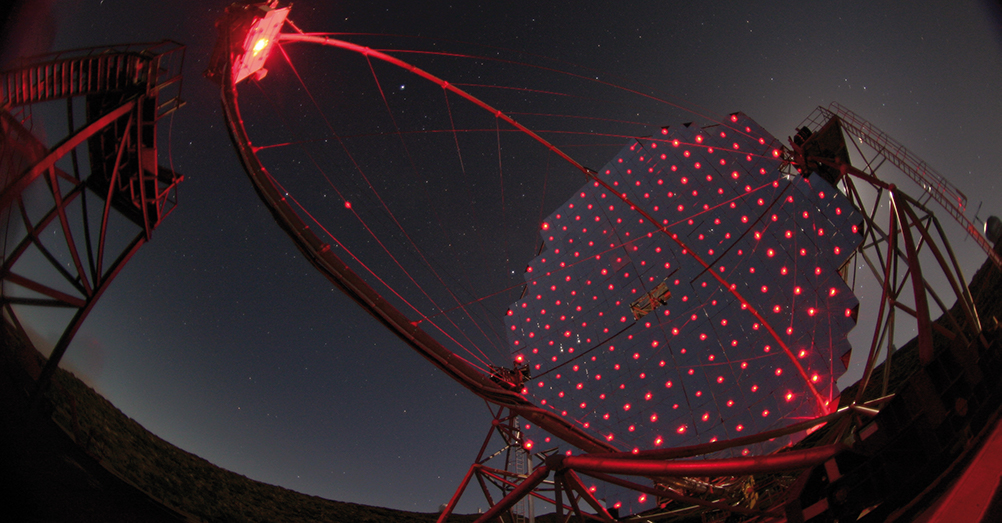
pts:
pixel 220 338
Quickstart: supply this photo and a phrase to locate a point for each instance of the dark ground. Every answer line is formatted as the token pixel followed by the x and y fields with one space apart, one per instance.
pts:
pixel 98 465
pixel 47 477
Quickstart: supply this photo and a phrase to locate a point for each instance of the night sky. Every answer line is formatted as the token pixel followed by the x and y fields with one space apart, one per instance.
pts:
pixel 220 338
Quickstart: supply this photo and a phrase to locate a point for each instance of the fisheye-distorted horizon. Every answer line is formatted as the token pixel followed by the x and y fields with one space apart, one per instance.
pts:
pixel 221 339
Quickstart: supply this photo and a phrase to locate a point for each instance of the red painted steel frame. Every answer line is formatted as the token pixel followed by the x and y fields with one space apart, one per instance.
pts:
pixel 320 255
pixel 792 460
pixel 601 459
pixel 142 74
pixel 325 40
pixel 903 221
pixel 505 424
pixel 47 164
pixel 341 275
pixel 935 185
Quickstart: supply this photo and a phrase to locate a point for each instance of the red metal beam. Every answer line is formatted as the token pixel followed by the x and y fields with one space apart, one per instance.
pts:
pixel 921 303
pixel 321 256
pixel 523 489
pixel 885 297
pixel 934 184
pixel 126 140
pixel 677 497
pixel 822 403
pixel 114 70
pixel 70 143
pixel 574 482
pixel 31 237
pixel 72 301
pixel 502 476
pixel 962 298
pixel 64 341
pixel 365 51
pixel 67 233
pixel 781 462
pixel 459 493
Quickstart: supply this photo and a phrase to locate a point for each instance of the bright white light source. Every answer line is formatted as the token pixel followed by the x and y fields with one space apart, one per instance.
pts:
pixel 259 46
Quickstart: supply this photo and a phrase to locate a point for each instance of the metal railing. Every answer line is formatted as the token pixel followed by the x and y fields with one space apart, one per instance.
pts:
pixel 148 67
pixel 933 184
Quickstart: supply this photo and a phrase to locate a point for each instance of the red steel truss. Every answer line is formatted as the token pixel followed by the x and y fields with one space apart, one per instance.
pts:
pixel 933 184
pixel 894 256
pixel 56 255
